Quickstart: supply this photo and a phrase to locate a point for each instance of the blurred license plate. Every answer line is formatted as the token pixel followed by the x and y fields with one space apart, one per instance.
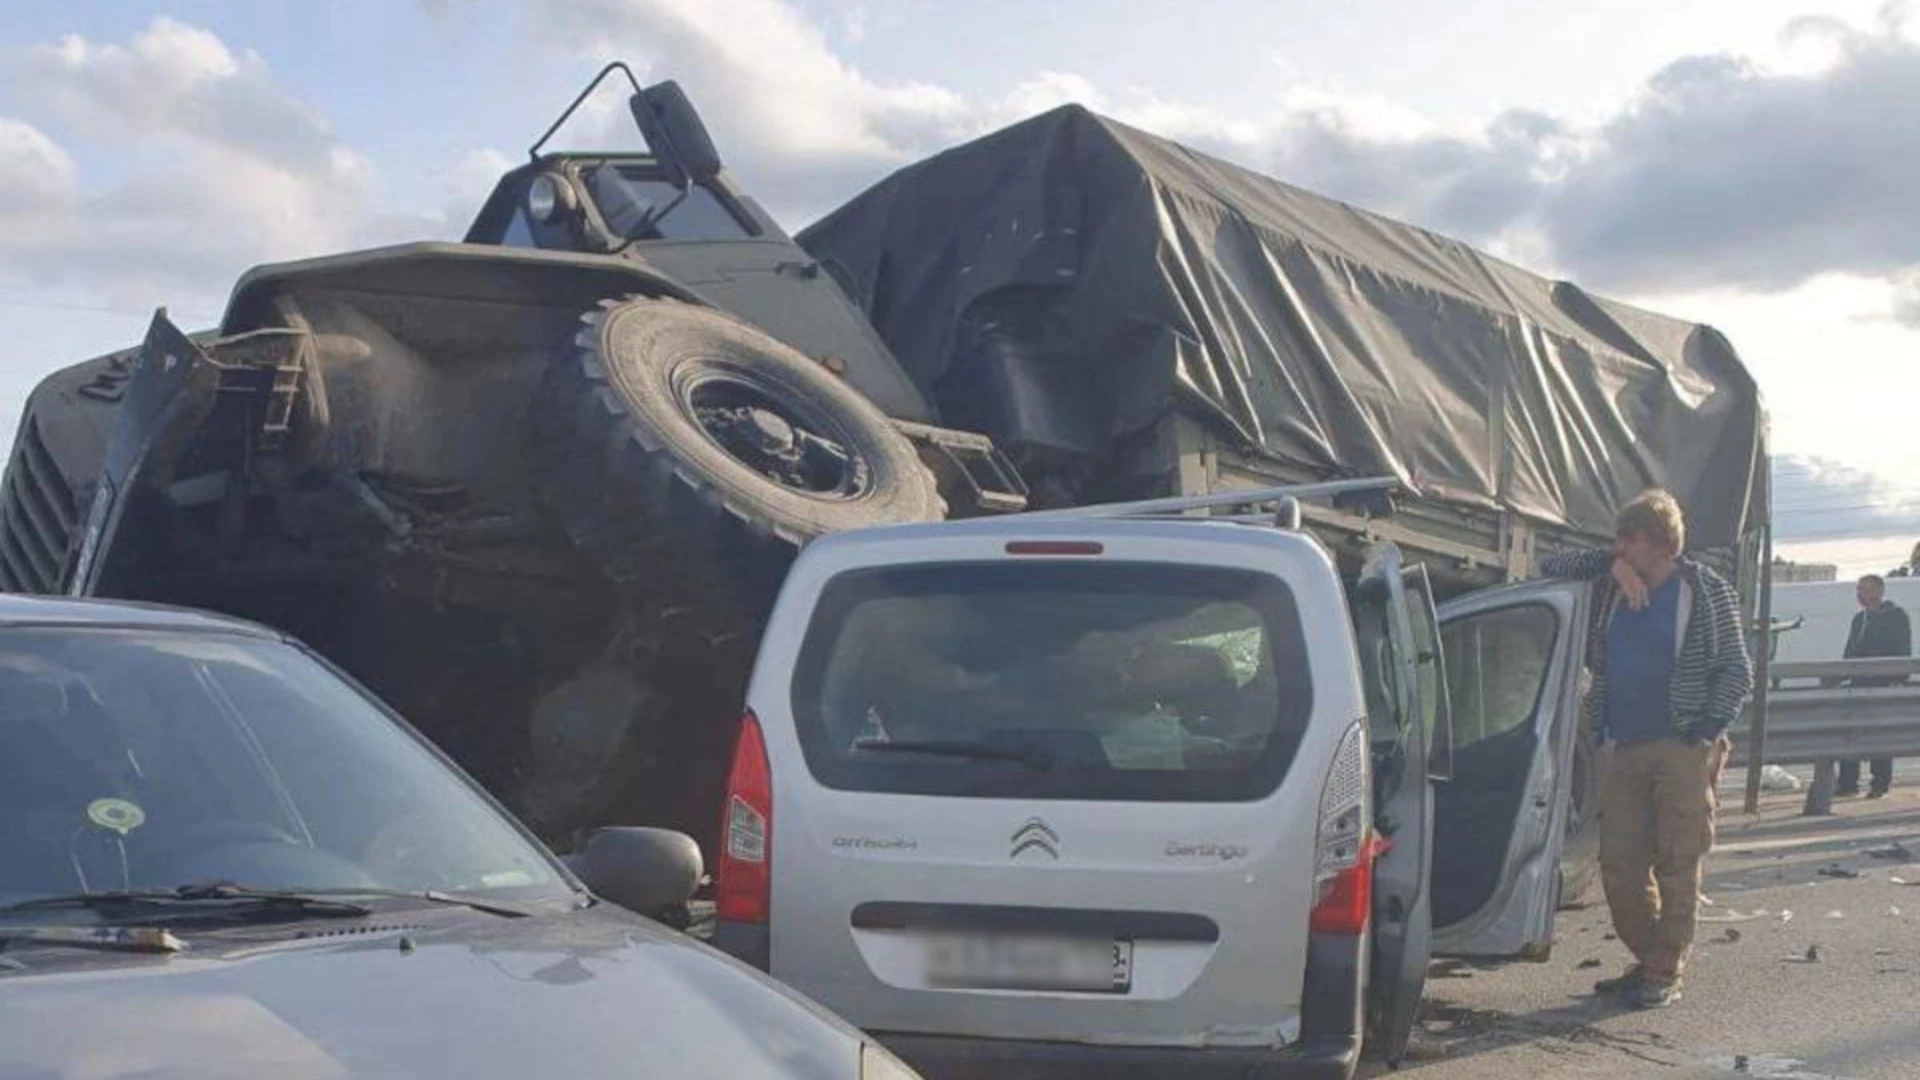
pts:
pixel 1029 962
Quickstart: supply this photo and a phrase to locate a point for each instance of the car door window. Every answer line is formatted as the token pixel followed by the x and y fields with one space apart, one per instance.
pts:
pixel 1499 665
pixel 1379 672
pixel 1430 674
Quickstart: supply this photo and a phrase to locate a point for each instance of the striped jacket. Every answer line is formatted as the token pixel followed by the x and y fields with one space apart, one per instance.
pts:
pixel 1712 676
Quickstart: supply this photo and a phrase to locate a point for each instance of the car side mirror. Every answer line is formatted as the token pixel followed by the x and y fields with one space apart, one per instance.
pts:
pixel 648 871
pixel 675 133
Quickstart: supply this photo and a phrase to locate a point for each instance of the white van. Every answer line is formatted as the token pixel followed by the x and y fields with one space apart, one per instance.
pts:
pixel 1825 611
pixel 1057 794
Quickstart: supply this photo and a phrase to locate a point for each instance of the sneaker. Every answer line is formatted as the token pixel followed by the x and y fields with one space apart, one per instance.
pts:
pixel 1655 995
pixel 1846 793
pixel 1876 794
pixel 1626 983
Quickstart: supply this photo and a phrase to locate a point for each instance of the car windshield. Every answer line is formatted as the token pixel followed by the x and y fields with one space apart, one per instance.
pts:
pixel 134 759
pixel 1135 682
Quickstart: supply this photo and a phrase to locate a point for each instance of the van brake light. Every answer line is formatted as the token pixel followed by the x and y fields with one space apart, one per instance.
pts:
pixel 1055 547
pixel 743 890
pixel 1344 843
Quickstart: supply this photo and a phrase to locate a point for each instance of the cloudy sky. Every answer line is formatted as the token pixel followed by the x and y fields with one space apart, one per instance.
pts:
pixel 1753 164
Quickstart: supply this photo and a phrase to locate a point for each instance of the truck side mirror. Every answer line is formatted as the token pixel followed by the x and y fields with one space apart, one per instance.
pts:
pixel 675 134
pixel 648 871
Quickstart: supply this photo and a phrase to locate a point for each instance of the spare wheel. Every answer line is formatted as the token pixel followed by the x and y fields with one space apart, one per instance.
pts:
pixel 666 422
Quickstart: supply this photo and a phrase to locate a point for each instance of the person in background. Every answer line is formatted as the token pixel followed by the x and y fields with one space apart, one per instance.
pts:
pixel 1670 674
pixel 1880 628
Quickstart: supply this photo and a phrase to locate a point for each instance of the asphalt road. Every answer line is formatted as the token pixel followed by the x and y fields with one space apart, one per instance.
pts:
pixel 1802 970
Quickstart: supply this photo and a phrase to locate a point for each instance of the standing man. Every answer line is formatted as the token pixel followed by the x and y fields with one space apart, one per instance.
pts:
pixel 1670 673
pixel 1880 628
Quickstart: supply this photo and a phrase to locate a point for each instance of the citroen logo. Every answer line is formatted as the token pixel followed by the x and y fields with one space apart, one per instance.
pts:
pixel 1035 835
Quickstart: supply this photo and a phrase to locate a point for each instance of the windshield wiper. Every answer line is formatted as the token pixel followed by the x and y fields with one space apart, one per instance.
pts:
pixel 435 896
pixel 1036 757
pixel 340 902
pixel 193 895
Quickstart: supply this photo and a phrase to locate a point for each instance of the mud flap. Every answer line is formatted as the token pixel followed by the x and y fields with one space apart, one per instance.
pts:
pixel 975 477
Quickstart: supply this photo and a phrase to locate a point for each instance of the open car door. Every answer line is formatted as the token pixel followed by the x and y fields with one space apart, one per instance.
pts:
pixel 1515 655
pixel 1390 661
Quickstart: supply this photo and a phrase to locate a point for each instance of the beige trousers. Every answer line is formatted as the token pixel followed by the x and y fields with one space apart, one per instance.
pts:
pixel 1657 802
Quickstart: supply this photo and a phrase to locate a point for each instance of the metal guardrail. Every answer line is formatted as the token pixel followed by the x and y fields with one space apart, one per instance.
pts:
pixel 1847 669
pixel 1828 720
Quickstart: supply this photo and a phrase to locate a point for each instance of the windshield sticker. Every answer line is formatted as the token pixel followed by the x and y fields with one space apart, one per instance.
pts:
pixel 117 814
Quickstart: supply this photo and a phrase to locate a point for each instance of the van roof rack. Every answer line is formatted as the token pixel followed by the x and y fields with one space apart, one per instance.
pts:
pixel 1284 499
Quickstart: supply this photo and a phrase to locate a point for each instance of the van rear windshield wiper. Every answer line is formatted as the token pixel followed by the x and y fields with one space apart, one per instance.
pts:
pixel 1033 757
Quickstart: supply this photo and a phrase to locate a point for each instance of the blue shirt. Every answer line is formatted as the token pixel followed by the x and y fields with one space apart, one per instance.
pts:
pixel 1641 646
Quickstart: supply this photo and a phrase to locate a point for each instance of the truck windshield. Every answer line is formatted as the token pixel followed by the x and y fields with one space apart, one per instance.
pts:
pixel 638 206
pixel 1124 682
pixel 137 759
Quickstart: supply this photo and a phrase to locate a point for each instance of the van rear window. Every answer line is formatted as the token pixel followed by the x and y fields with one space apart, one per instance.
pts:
pixel 1116 681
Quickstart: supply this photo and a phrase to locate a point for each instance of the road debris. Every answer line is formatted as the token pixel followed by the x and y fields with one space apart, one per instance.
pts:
pixel 1730 935
pixel 1460 1025
pixel 1837 872
pixel 1836 914
pixel 1586 965
pixel 1775 778
pixel 1896 851
pixel 1767 1065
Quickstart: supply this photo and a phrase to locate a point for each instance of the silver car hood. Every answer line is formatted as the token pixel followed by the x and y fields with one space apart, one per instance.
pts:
pixel 428 994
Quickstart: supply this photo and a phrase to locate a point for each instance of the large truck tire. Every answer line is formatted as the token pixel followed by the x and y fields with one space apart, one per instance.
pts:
pixel 666 424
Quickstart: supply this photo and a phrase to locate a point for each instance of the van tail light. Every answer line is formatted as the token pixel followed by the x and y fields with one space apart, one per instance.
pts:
pixel 1344 844
pixel 743 891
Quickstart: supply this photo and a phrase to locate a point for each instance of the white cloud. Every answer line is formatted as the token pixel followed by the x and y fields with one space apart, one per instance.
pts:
pixel 467 182
pixel 783 108
pixel 35 174
pixel 214 167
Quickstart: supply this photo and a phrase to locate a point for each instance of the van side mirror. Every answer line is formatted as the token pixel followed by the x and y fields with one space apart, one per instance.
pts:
pixel 648 871
pixel 675 133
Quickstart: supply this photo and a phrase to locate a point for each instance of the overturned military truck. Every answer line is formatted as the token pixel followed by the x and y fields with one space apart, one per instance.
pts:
pixel 532 488
pixel 536 488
